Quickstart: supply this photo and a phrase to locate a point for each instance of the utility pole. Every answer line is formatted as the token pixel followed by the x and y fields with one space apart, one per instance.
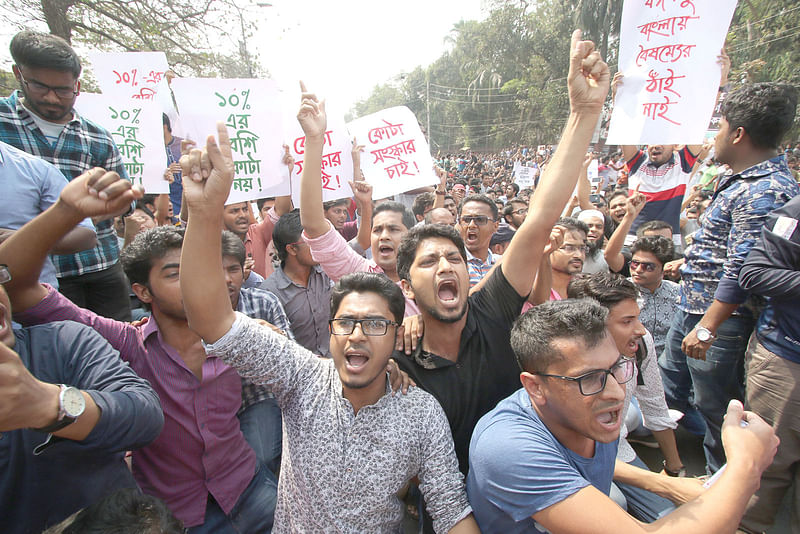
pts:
pixel 428 107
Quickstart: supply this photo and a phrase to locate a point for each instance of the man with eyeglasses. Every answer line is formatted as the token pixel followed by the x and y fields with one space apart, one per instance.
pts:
pixel 477 221
pixel 514 212
pixel 39 119
pixel 349 445
pixel 543 460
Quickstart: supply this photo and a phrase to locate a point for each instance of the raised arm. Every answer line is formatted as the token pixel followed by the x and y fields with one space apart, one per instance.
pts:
pixel 313 120
pixel 207 179
pixel 95 193
pixel 587 82
pixel 363 195
pixel 613 251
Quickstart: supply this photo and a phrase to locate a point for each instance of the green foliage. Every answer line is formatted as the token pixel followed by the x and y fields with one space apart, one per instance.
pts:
pixel 502 81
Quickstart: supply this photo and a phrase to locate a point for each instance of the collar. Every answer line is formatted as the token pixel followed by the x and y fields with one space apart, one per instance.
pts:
pixel 490 259
pixel 283 281
pixel 671 161
pixel 150 327
pixel 766 167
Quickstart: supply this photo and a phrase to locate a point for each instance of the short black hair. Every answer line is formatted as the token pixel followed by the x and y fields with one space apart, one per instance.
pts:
pixel 165 120
pixel 652 226
pixel 37 50
pixel 615 194
pixel 126 511
pixel 328 204
pixel 232 246
pixel 509 207
pixel 369 283
pixel 609 289
pixel 480 198
pixel 657 245
pixel 571 224
pixel 287 230
pixel 261 201
pixel 422 202
pixel 390 205
pixel 137 258
pixel 515 187
pixel 765 111
pixel 407 250
pixel 535 332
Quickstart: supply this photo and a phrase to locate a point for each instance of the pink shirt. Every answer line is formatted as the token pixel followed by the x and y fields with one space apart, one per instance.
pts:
pixel 337 259
pixel 258 244
pixel 201 449
pixel 553 296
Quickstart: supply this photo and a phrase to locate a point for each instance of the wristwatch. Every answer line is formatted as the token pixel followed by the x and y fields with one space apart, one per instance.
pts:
pixel 71 405
pixel 704 334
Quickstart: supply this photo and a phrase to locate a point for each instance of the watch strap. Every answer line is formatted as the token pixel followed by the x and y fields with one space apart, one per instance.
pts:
pixel 63 419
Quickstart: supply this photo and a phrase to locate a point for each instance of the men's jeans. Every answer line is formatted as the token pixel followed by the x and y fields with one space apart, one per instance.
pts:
pixel 642 504
pixel 773 392
pixel 253 513
pixel 716 380
pixel 103 292
pixel 261 427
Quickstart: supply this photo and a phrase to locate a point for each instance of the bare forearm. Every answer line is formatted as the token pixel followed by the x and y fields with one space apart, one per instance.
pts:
pixel 283 205
pixel 205 296
pixel 669 448
pixel 365 226
pixel 716 314
pixel 162 209
pixel 613 251
pixel 543 283
pixel 312 215
pixel 77 239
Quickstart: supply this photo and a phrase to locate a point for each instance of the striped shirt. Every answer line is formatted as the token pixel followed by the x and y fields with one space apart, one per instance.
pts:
pixel 664 187
pixel 478 268
pixel 81 146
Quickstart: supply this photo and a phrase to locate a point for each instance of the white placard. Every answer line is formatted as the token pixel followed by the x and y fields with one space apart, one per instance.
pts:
pixel 524 177
pixel 396 158
pixel 135 126
pixel 593 172
pixel 668 54
pixel 337 161
pixel 251 111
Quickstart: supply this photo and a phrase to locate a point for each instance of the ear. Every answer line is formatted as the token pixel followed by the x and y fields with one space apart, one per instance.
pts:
pixel 738 135
pixel 142 292
pixel 78 87
pixel 408 291
pixel 533 385
pixel 15 69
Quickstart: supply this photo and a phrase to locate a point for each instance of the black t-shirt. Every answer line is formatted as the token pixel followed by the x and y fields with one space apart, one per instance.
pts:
pixel 486 371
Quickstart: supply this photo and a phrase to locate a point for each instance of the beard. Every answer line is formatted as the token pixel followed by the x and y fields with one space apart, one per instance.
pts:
pixel 594 246
pixel 447 319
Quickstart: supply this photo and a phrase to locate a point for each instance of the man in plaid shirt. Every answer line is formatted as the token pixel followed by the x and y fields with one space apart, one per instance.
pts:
pixel 39 119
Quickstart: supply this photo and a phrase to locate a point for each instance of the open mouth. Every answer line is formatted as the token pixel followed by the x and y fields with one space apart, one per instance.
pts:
pixel 356 360
pixel 610 419
pixel 447 291
pixel 385 250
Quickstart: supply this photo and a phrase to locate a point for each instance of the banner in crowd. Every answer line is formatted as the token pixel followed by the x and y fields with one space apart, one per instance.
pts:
pixel 135 126
pixel 251 111
pixel 524 177
pixel 668 54
pixel 396 157
pixel 138 75
pixel 337 160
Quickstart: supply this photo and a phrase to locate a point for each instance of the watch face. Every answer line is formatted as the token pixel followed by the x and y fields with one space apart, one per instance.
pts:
pixel 703 335
pixel 73 402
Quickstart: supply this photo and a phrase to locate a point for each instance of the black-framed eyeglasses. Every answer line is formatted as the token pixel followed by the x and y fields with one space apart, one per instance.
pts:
pixel 594 382
pixel 39 89
pixel 5 274
pixel 648 265
pixel 370 327
pixel 521 211
pixel 479 220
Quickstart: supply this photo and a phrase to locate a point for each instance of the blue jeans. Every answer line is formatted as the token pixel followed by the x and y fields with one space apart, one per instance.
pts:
pixel 261 427
pixel 253 513
pixel 716 380
pixel 642 504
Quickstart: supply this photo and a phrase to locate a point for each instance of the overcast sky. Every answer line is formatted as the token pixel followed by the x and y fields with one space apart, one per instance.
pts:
pixel 343 49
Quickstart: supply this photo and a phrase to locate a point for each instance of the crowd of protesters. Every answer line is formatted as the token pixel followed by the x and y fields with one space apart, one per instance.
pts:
pixel 475 355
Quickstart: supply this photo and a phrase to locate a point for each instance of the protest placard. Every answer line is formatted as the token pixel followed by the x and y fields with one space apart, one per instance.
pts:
pixel 251 111
pixel 135 126
pixel 396 158
pixel 668 55
pixel 337 160
pixel 593 171
pixel 524 177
